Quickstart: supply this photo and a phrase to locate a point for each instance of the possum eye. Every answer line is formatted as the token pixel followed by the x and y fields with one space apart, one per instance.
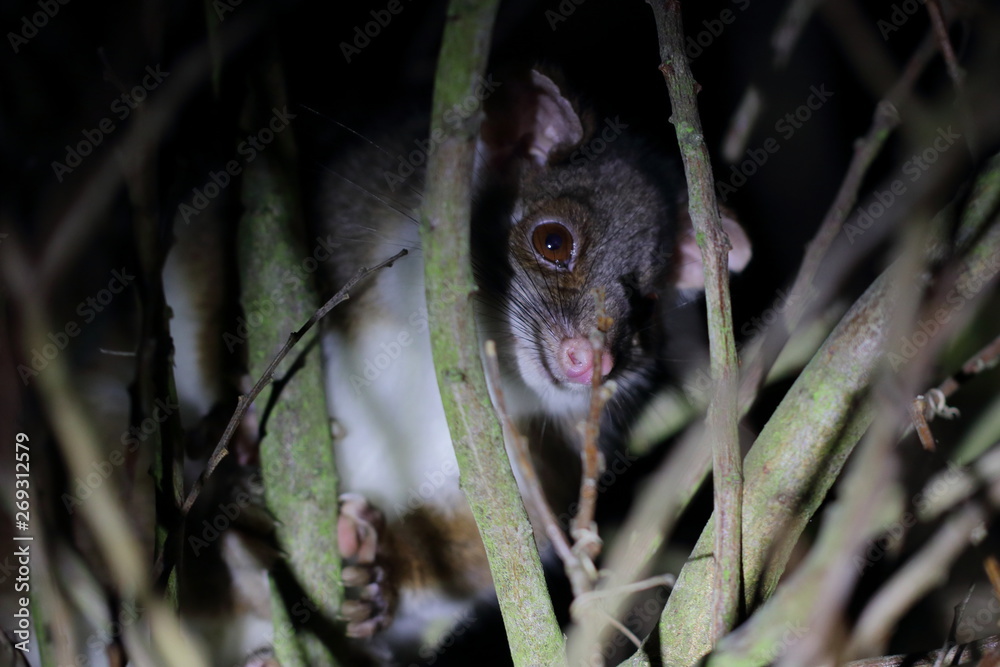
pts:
pixel 554 243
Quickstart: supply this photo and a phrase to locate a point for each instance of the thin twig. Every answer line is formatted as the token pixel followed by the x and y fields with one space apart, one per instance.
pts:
pixel 992 567
pixel 982 360
pixel 924 570
pixel 584 530
pixel 884 120
pixel 531 487
pixel 279 384
pixel 656 512
pixel 635 587
pixel 742 122
pixel 955 655
pixel 103 513
pixel 715 246
pixel 944 42
pixel 932 402
pixel 244 402
pixel 918 415
pixel 940 26
pixel 789 29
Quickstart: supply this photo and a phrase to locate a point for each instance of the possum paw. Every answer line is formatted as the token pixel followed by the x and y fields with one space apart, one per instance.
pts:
pixel 370 599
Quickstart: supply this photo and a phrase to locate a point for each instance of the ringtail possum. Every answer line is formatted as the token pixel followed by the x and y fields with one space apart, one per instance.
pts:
pixel 564 203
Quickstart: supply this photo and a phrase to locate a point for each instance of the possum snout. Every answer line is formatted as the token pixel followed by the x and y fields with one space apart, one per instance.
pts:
pixel 576 360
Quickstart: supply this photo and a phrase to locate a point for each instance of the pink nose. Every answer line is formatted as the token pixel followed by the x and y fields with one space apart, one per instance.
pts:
pixel 576 359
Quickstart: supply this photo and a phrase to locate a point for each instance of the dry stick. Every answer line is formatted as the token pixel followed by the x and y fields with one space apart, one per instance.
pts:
pixel 857 490
pixel 789 29
pixel 656 512
pixel 876 466
pixel 918 418
pixel 941 32
pixel 869 58
pixel 755 370
pixel 940 27
pixel 715 247
pixel 783 41
pixel 884 120
pixel 925 570
pixel 244 402
pixel 992 567
pixel 584 532
pixel 956 655
pixel 924 410
pixel 802 588
pixel 80 445
pixel 984 359
pixel 678 479
pixel 531 487
pixel 743 121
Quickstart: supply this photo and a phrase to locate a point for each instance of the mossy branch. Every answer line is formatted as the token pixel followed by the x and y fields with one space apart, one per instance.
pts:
pixel 486 477
pixel 296 456
pixel 727 461
pixel 824 414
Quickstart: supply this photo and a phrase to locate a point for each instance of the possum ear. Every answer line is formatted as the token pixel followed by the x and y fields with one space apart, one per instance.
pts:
pixel 690 272
pixel 531 119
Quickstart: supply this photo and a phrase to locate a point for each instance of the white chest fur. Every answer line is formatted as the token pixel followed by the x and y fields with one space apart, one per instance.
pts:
pixel 391 439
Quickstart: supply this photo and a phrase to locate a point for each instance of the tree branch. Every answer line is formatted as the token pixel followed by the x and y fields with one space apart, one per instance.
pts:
pixel 727 461
pixel 486 477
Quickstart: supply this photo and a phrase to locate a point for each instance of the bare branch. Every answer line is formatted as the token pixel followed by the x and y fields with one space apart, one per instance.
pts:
pixel 246 401
pixel 714 244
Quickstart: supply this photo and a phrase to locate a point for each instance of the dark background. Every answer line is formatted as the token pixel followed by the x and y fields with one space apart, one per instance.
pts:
pixel 65 79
